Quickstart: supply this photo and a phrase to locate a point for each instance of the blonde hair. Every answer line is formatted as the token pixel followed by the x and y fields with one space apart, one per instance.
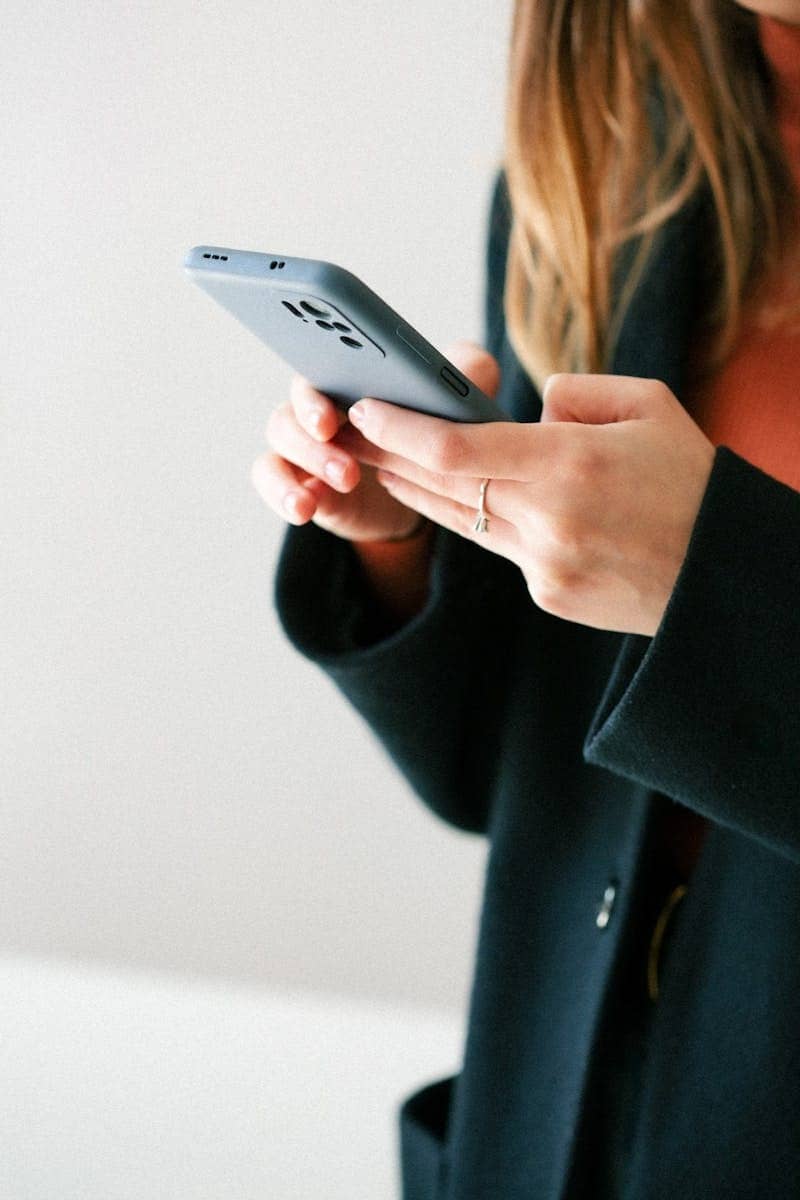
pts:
pixel 589 170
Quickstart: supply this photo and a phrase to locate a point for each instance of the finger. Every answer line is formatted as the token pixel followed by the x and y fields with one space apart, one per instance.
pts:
pixel 496 449
pixel 479 366
pixel 450 514
pixel 319 458
pixel 314 411
pixel 508 497
pixel 476 363
pixel 603 399
pixel 471 359
pixel 281 486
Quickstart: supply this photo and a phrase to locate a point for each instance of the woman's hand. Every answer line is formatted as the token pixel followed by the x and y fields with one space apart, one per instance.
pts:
pixel 595 504
pixel 309 474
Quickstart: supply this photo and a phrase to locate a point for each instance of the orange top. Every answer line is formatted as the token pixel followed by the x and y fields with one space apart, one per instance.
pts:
pixel 752 405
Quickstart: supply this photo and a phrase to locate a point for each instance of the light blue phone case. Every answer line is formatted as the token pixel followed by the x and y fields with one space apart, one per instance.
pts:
pixel 332 329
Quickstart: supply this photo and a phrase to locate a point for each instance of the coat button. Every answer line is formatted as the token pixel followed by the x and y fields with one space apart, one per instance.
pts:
pixel 604 912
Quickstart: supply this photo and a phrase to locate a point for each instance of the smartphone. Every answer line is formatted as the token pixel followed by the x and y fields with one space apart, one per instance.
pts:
pixel 332 329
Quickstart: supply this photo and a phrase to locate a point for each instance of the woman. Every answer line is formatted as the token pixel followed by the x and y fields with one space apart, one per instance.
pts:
pixel 612 694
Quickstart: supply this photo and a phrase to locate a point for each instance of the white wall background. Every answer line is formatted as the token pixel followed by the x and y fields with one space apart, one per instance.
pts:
pixel 179 791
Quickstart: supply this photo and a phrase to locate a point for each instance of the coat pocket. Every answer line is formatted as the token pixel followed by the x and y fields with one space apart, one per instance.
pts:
pixel 423 1132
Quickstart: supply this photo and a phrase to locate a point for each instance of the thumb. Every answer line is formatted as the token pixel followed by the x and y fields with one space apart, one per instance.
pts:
pixel 479 366
pixel 603 399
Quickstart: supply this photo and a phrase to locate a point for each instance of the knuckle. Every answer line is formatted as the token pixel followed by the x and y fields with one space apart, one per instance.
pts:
pixel 553 587
pixel 567 536
pixel 449 450
pixel 585 466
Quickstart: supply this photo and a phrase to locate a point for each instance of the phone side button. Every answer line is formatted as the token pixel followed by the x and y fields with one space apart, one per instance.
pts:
pixel 455 383
pixel 407 337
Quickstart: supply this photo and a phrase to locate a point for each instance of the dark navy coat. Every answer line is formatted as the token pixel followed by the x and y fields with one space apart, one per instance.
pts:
pixel 560 744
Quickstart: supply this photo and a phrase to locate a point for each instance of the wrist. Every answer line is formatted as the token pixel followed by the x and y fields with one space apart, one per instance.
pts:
pixel 419 527
pixel 397 570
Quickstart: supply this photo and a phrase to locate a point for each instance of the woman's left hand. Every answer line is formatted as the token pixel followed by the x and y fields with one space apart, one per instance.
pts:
pixel 595 504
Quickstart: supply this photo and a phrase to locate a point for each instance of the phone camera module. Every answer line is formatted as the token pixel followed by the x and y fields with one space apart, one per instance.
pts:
pixel 294 311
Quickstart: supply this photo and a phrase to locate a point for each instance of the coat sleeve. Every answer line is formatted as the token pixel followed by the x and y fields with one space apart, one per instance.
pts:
pixel 433 692
pixel 708 709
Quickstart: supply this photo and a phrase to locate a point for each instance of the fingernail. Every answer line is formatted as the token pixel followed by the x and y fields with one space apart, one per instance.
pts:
pixel 334 470
pixel 357 414
pixel 315 420
pixel 548 383
pixel 291 503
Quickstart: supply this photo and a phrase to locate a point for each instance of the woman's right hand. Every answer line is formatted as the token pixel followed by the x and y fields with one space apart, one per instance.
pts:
pixel 306 476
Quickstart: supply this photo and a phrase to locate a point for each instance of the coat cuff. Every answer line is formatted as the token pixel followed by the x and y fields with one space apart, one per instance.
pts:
pixel 706 711
pixel 330 614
